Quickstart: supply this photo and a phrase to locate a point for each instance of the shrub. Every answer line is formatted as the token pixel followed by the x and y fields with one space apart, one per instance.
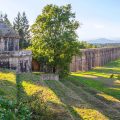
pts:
pixel 39 107
pixel 10 110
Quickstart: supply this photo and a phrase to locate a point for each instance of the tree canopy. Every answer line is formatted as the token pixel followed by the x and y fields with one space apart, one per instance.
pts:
pixel 54 40
pixel 4 18
pixel 85 45
pixel 21 25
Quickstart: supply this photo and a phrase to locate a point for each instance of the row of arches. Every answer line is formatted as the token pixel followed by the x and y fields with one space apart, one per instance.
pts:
pixel 91 58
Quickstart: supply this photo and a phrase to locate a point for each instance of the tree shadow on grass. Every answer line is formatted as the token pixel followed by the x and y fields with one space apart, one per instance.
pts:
pixel 75 102
pixel 63 96
pixel 97 85
pixel 35 100
pixel 110 97
pixel 8 89
pixel 91 94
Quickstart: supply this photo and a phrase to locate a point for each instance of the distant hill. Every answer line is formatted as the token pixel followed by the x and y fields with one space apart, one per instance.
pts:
pixel 102 41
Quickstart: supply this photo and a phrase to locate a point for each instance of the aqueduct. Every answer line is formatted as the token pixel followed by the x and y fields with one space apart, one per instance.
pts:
pixel 91 58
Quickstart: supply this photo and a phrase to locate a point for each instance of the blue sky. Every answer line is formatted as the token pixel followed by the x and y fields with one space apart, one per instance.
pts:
pixel 99 18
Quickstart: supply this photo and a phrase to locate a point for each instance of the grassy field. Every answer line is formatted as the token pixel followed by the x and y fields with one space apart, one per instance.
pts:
pixel 91 95
pixel 8 84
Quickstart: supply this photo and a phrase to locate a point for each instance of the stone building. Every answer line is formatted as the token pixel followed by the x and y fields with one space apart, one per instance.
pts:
pixel 91 58
pixel 11 56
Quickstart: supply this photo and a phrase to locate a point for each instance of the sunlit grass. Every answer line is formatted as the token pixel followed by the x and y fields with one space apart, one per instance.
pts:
pixel 96 73
pixel 62 97
pixel 117 82
pixel 118 89
pixel 9 76
pixel 108 97
pixel 8 84
pixel 89 114
pixel 99 85
pixel 31 84
pixel 31 89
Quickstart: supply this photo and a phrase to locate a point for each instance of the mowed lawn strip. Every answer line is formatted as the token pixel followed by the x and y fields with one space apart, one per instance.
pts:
pixel 8 88
pixel 87 95
pixel 99 79
pixel 31 84
pixel 78 107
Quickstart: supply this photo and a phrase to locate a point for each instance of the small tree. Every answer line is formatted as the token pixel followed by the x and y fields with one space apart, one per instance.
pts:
pixel 54 41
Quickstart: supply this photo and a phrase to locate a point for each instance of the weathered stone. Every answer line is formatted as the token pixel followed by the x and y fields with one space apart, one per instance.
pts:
pixel 94 57
pixel 49 77
pixel 10 55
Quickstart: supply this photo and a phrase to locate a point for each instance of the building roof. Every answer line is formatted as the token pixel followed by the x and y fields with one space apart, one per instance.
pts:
pixel 6 31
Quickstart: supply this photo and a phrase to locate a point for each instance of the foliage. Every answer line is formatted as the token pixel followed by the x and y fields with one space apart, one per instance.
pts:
pixel 4 18
pixel 39 107
pixel 84 45
pixel 21 25
pixel 54 39
pixel 38 97
pixel 10 110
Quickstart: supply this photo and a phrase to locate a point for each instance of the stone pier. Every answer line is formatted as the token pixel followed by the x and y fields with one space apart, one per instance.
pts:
pixel 91 58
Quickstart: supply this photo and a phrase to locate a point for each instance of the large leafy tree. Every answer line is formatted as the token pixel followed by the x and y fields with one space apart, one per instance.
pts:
pixel 54 41
pixel 21 25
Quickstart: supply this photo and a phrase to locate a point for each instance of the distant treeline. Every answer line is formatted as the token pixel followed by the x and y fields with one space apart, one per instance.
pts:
pixel 107 45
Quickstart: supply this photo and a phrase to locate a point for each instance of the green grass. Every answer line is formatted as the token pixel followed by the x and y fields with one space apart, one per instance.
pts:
pixel 90 95
pixel 8 84
pixel 32 85
pixel 99 79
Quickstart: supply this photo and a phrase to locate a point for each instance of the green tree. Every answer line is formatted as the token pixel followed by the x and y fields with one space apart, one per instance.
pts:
pixel 1 17
pixel 21 25
pixel 17 22
pixel 84 45
pixel 6 20
pixel 25 28
pixel 54 41
pixel 17 25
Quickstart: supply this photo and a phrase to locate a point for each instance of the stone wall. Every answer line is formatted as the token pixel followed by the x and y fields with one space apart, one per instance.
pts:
pixel 10 55
pixel 16 60
pixel 91 58
pixel 49 77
